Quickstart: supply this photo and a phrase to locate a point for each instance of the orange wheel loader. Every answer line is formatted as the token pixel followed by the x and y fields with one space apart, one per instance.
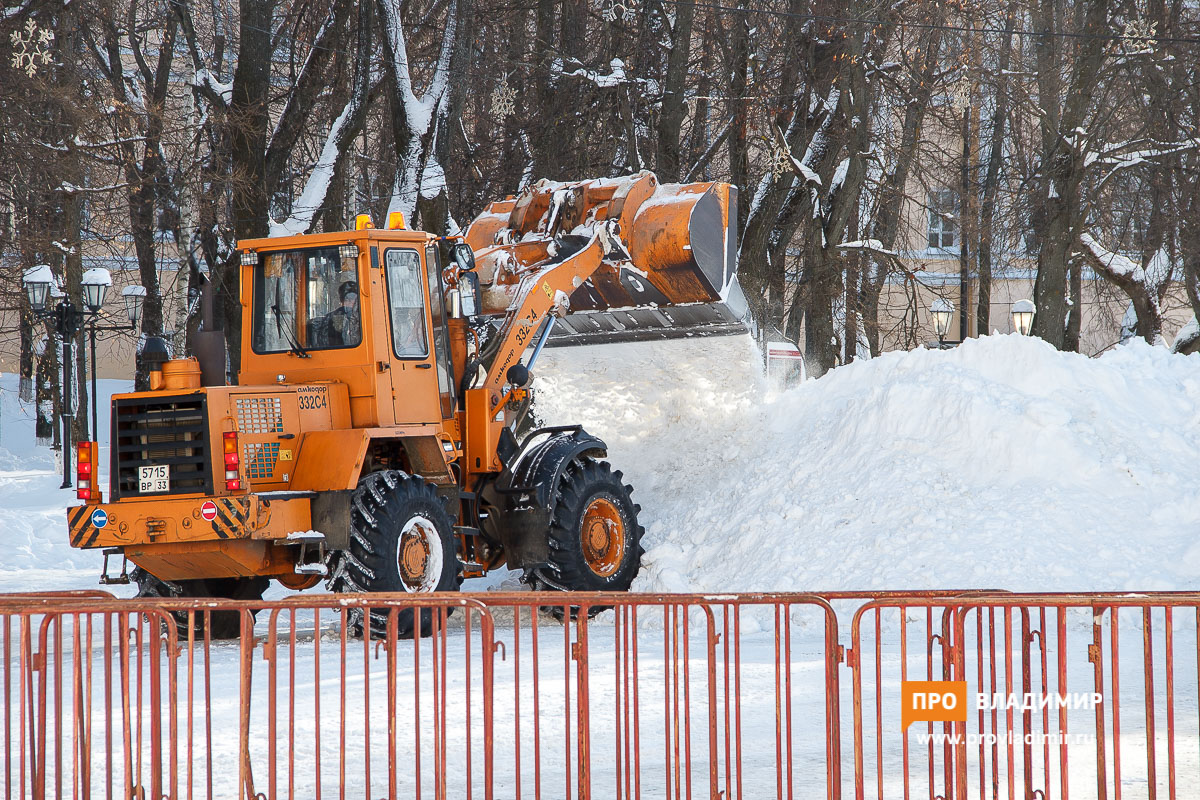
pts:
pixel 369 440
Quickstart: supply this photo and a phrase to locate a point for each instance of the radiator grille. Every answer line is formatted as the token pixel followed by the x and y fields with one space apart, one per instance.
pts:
pixel 161 430
pixel 260 459
pixel 260 415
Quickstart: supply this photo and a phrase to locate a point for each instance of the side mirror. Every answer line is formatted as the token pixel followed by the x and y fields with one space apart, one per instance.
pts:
pixel 468 288
pixel 464 256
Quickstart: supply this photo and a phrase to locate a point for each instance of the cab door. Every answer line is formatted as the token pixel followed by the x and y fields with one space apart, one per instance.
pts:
pixel 416 390
pixel 440 331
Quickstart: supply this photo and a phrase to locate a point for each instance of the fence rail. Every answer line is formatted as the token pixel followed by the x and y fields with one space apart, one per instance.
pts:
pixel 530 695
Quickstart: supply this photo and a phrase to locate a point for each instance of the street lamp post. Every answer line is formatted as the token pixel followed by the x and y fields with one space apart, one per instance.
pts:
pixel 942 312
pixel 1022 316
pixel 962 102
pixel 96 283
pixel 68 319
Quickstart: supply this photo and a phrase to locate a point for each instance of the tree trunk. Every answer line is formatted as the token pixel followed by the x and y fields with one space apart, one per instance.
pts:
pixel 25 391
pixel 966 206
pixel 739 150
pixel 248 121
pixel 894 192
pixel 674 107
pixel 822 288
pixel 1062 168
pixel 46 429
pixel 991 178
pixel 72 215
pixel 1075 315
pixel 850 340
pixel 1050 287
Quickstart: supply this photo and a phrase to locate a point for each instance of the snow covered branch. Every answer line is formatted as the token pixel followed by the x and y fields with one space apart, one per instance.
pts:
pixel 317 186
pixel 1125 155
pixel 617 76
pixel 1143 287
pixel 872 246
pixel 419 117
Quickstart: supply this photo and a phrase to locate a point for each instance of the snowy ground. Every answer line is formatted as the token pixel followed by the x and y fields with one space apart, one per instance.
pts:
pixel 1000 464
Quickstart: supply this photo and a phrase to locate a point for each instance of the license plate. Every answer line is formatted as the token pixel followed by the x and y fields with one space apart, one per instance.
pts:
pixel 154 479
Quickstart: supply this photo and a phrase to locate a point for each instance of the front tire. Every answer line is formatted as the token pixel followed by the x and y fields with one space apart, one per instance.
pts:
pixel 595 541
pixel 401 540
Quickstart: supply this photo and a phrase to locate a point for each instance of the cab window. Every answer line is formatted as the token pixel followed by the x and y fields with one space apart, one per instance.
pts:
pixel 406 303
pixel 305 300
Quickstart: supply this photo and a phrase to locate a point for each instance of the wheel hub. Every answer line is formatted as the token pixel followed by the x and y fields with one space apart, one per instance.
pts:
pixel 418 556
pixel 603 537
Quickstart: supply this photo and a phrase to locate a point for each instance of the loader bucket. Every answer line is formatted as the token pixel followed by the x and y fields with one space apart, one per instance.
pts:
pixel 677 276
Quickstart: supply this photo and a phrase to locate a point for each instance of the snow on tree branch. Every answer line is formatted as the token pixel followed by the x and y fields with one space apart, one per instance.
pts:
pixel 422 115
pixel 1112 264
pixel 1125 155
pixel 317 185
pixel 873 246
pixel 617 76
pixel 205 80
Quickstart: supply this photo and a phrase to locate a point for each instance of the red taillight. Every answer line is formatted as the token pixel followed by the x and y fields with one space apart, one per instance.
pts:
pixel 233 482
pixel 85 471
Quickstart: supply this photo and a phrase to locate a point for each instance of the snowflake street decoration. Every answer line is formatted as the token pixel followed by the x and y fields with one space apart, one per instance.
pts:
pixel 31 47
pixel 1137 36
pixel 624 10
pixel 960 95
pixel 781 161
pixel 504 99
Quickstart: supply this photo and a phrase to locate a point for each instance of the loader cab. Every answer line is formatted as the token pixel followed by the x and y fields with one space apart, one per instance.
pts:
pixel 365 308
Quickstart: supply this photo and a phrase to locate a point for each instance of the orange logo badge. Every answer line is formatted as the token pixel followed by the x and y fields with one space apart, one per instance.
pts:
pixel 932 701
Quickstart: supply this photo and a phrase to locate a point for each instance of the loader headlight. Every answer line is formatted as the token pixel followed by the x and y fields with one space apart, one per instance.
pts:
pixel 249 258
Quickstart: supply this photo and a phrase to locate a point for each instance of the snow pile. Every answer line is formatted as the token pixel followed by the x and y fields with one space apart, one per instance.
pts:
pixel 999 464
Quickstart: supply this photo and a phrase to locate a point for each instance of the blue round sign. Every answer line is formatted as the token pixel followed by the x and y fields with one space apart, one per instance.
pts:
pixel 99 518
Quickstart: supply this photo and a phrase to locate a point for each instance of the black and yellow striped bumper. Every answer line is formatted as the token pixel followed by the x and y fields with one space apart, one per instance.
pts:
pixel 164 520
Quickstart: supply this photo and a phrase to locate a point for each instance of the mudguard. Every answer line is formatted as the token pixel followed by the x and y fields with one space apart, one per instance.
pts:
pixel 522 499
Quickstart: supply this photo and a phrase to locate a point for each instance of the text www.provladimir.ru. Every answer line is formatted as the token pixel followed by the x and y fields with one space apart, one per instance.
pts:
pixel 1010 737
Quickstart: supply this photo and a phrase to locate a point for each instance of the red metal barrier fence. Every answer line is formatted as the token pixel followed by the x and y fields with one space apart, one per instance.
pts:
pixel 657 696
pixel 1056 710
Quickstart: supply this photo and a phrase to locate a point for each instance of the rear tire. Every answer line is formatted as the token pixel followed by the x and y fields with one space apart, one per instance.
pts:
pixel 595 541
pixel 401 540
pixel 222 624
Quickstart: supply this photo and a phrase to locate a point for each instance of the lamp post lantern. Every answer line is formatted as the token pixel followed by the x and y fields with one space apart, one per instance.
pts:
pixel 1022 316
pixel 37 286
pixel 68 320
pixel 942 311
pixel 134 297
pixel 96 283
pixel 95 287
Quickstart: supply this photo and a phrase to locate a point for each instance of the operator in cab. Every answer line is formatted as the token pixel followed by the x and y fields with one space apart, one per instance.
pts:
pixel 342 327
